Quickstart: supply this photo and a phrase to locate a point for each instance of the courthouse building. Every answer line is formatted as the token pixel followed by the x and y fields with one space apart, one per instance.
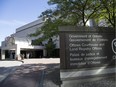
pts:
pixel 20 43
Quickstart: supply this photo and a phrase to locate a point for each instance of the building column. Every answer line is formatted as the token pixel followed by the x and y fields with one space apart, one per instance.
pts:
pixel 44 52
pixel 2 54
pixel 10 53
pixel 17 53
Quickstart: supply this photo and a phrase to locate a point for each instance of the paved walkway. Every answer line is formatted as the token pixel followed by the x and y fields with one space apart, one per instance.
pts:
pixel 7 67
pixel 46 73
pixel 34 73
pixel 10 63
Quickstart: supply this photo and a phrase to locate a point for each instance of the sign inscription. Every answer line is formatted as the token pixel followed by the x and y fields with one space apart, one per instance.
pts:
pixel 88 50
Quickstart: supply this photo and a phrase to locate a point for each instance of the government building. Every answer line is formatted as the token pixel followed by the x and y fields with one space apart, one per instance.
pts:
pixel 20 45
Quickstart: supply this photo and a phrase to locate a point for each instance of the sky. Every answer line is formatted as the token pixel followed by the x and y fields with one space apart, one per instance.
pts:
pixel 16 13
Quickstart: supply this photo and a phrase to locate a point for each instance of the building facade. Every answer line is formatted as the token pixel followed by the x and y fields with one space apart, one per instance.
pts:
pixel 19 45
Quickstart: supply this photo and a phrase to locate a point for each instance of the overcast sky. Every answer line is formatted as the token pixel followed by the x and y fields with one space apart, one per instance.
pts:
pixel 15 13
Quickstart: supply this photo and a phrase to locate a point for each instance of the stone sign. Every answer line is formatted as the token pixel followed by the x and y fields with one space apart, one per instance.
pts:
pixel 84 48
pixel 88 50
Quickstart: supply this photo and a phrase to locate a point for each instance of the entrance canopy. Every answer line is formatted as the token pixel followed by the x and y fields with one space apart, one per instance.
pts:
pixel 17 44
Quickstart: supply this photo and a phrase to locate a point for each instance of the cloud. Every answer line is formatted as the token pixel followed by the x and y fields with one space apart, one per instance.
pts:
pixel 12 22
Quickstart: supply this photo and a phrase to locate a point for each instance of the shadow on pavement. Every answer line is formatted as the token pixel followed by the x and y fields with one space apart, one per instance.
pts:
pixel 29 75
pixel 5 71
pixel 52 76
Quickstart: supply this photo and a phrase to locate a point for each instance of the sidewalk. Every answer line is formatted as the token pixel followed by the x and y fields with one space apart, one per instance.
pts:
pixel 10 63
pixel 34 73
pixel 7 67
pixel 46 73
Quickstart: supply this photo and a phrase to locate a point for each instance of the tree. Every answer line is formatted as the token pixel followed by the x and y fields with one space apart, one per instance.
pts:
pixel 75 12
pixel 50 46
pixel 67 12
pixel 108 12
pixel 36 42
pixel 48 30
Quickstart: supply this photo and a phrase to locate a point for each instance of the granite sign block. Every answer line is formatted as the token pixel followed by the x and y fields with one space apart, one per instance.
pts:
pixel 87 49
